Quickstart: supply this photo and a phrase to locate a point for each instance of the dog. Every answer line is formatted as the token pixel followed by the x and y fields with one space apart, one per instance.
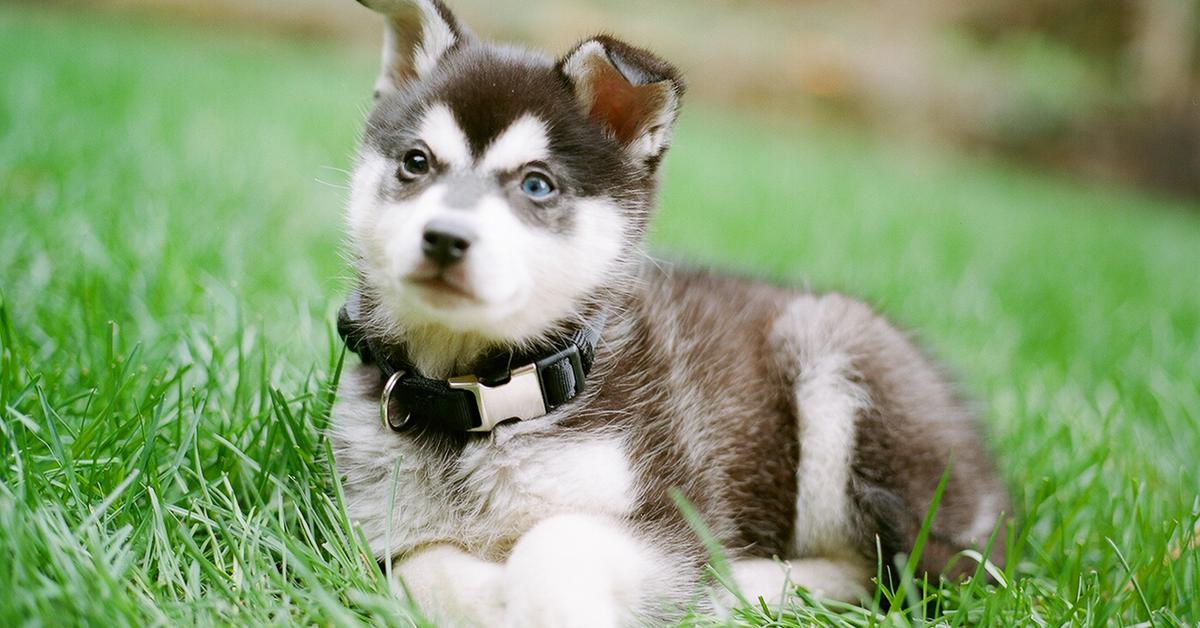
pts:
pixel 539 405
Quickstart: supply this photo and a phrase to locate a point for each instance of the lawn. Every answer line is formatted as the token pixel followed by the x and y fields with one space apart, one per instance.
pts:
pixel 170 262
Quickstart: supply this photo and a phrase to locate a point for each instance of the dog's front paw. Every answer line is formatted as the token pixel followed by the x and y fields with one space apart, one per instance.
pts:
pixel 450 587
pixel 574 571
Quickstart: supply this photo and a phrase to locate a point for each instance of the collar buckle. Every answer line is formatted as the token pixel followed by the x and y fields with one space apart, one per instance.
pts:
pixel 518 398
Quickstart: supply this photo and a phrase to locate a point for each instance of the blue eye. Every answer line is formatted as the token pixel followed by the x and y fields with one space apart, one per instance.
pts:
pixel 537 186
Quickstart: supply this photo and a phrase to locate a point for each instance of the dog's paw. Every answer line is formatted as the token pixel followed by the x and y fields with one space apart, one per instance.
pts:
pixel 574 571
pixel 450 587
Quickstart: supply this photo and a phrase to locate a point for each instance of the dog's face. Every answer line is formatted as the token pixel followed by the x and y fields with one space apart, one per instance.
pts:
pixel 497 190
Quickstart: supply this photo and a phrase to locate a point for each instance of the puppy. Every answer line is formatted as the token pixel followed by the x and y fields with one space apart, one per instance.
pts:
pixel 536 399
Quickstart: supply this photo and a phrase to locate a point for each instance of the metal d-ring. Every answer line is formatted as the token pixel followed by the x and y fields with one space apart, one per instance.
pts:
pixel 385 405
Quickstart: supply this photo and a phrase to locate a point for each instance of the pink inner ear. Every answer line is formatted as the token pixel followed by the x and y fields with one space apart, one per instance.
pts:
pixel 623 107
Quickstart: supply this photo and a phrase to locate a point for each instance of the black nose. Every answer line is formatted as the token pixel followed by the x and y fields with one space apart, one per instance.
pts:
pixel 446 243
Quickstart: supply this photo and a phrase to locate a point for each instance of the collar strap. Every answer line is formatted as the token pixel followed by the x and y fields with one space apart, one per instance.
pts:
pixel 473 403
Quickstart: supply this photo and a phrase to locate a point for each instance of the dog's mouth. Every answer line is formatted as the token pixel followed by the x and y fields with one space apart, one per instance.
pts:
pixel 442 289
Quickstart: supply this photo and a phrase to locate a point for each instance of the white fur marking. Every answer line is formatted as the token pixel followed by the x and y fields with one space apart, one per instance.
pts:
pixel 592 476
pixel 576 68
pixel 436 39
pixel 828 406
pixel 364 185
pixel 400 56
pixel 522 142
pixel 987 518
pixel 828 402
pixel 445 138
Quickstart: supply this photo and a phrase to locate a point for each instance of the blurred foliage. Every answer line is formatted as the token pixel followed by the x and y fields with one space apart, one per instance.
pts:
pixel 1097 30
pixel 1138 117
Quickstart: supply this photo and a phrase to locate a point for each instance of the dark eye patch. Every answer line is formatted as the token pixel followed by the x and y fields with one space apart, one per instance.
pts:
pixel 553 212
pixel 414 168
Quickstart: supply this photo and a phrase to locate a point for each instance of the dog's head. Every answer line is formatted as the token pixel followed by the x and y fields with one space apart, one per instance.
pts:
pixel 499 190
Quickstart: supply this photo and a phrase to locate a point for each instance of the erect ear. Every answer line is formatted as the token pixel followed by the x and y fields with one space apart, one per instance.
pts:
pixel 417 35
pixel 631 93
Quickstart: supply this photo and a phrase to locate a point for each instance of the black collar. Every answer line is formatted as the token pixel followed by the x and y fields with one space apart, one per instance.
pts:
pixel 478 402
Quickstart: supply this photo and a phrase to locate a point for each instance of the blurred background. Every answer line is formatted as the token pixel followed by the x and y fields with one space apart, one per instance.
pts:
pixel 1101 89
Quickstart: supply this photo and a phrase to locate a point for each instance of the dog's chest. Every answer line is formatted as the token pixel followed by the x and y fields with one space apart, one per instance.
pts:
pixel 483 498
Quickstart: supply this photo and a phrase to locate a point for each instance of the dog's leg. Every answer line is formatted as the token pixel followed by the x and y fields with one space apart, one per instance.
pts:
pixel 451 587
pixel 878 428
pixel 576 570
pixel 773 581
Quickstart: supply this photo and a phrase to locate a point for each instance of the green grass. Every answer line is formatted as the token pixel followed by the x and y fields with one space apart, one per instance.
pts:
pixel 169 257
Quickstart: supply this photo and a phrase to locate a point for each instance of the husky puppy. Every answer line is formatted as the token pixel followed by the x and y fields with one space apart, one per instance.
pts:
pixel 535 398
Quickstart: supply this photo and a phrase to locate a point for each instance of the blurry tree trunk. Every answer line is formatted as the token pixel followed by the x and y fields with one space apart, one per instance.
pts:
pixel 1168 83
pixel 1164 52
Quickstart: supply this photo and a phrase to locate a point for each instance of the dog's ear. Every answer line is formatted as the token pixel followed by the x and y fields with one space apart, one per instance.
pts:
pixel 632 94
pixel 417 35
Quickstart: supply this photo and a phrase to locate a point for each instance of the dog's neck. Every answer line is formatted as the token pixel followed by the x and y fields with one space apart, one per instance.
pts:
pixel 436 352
